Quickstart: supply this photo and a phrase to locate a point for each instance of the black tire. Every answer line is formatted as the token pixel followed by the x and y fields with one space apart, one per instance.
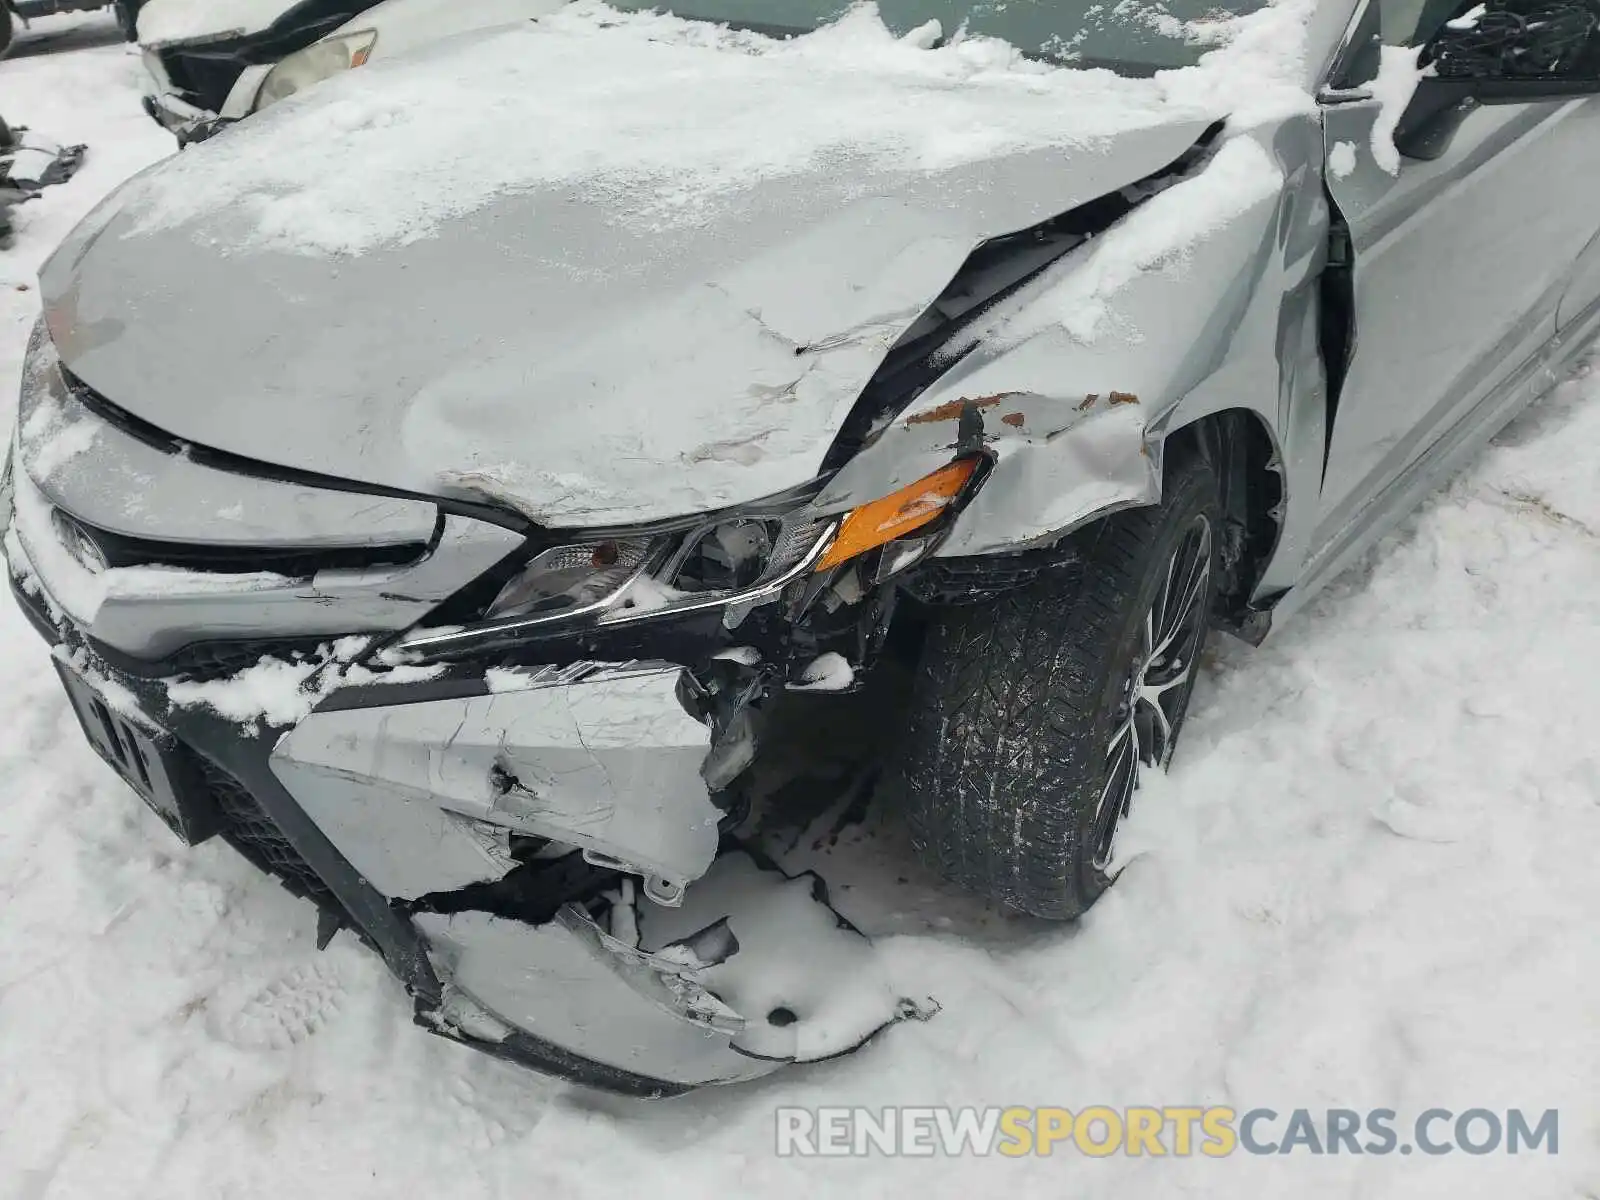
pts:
pixel 1019 703
pixel 7 28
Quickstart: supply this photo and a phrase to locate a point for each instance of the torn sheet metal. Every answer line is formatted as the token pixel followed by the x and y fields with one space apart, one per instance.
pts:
pixel 610 764
pixel 1073 411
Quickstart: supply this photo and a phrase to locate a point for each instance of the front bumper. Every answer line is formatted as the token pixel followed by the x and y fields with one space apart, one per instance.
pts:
pixel 563 997
pixel 402 804
pixel 188 121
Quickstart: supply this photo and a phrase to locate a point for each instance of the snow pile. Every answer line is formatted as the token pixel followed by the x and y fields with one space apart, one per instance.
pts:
pixel 506 679
pixel 830 672
pixel 1342 159
pixel 1257 74
pixel 273 690
pixel 153 582
pixel 663 120
pixel 283 692
pixel 1396 82
pixel 807 986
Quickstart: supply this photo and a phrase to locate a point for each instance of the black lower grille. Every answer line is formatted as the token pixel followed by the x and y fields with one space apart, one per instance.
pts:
pixel 218 660
pixel 292 562
pixel 255 835
pixel 203 661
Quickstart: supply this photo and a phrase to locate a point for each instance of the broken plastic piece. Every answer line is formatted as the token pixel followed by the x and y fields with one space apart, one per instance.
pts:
pixel 666 892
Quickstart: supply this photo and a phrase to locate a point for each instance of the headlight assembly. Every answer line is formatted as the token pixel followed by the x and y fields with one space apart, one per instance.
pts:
pixel 730 563
pixel 318 61
pixel 566 581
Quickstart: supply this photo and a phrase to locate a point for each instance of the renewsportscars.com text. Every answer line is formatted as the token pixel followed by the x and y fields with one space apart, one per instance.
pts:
pixel 1099 1131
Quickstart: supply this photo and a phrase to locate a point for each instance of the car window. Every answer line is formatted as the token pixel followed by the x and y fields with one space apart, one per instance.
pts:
pixel 1134 37
pixel 1413 22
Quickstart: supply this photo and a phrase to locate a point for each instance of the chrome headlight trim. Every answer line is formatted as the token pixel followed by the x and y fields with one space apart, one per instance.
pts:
pixel 757 593
pixel 604 613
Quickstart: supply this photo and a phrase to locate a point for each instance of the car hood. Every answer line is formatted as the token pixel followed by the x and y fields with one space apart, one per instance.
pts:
pixel 605 335
pixel 163 22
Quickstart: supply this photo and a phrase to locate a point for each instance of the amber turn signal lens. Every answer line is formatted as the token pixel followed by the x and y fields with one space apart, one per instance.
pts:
pixel 897 514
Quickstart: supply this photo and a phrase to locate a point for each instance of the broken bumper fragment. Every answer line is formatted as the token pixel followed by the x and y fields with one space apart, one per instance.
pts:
pixel 180 118
pixel 28 164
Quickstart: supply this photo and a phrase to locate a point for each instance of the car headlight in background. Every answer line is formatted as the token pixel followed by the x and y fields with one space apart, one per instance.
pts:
pixel 318 61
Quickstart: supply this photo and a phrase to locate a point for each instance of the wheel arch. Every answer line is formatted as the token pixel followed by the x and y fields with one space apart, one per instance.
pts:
pixel 1243 453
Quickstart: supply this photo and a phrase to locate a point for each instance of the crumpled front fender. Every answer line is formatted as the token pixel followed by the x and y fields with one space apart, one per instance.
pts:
pixel 1073 384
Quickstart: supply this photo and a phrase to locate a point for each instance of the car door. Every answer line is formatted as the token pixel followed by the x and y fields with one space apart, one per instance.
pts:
pixel 1457 263
pixel 1584 290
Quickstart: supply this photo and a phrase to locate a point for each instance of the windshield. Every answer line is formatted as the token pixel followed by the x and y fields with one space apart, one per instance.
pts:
pixel 1133 37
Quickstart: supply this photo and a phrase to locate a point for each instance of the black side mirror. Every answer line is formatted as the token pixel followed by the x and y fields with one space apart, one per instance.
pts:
pixel 1500 52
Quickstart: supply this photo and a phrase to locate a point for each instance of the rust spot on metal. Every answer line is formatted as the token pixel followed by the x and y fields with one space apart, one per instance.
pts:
pixel 951 410
pixel 1123 398
pixel 1087 402
pixel 1014 420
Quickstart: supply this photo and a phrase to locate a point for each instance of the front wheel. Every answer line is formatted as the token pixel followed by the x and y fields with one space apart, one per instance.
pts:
pixel 1034 715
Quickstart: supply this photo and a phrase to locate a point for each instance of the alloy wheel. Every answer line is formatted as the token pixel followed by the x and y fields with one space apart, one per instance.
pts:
pixel 1157 684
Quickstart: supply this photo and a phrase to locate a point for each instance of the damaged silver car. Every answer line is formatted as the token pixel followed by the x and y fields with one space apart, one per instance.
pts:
pixel 471 548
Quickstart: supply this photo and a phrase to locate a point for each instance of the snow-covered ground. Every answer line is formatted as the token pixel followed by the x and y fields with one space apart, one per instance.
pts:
pixel 1369 882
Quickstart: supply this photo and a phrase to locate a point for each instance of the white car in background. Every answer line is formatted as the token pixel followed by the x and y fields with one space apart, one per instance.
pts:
pixel 213 62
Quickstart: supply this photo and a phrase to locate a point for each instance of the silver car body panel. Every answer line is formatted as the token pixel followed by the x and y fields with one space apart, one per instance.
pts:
pixel 570 983
pixel 115 481
pixel 609 763
pixel 1427 357
pixel 755 333
pixel 1076 424
pixel 1453 450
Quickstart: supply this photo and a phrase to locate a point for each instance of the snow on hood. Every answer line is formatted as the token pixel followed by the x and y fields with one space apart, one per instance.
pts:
pixel 616 268
pixel 165 21
pixel 667 120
